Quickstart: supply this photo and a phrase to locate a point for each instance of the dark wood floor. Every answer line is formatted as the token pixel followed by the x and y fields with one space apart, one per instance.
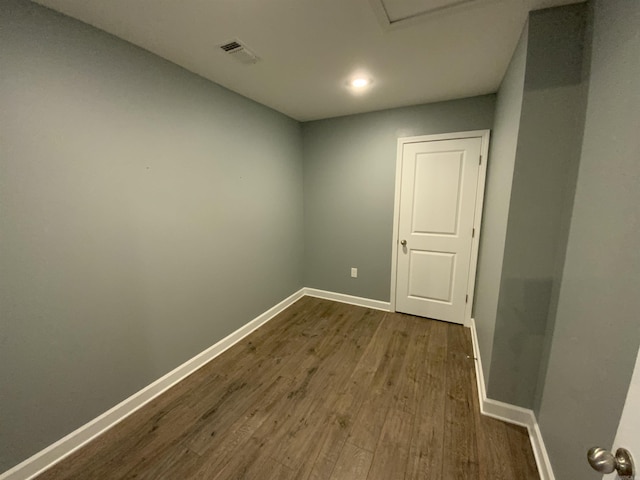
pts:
pixel 323 391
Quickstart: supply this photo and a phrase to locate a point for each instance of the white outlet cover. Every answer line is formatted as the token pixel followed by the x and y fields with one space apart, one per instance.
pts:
pixel 354 272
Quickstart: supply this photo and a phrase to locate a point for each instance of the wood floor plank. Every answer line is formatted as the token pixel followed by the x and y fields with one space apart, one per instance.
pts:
pixel 248 386
pixel 492 436
pixel 349 400
pixel 354 463
pixel 460 437
pixel 392 452
pixel 252 462
pixel 233 394
pixel 365 432
pixel 323 391
pixel 115 454
pixel 426 452
pixel 405 389
pixel 229 452
pixel 171 463
pixel 286 415
pixel 522 458
pixel 336 366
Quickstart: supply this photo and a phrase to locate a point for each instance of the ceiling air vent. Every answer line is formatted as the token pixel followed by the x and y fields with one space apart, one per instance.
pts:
pixel 239 52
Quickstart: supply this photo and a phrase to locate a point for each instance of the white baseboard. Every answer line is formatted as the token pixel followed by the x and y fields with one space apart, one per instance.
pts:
pixel 64 447
pixel 511 414
pixel 341 297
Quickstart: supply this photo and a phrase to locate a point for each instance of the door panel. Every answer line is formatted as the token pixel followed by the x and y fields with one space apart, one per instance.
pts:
pixel 437 205
pixel 627 435
pixel 438 176
pixel 431 275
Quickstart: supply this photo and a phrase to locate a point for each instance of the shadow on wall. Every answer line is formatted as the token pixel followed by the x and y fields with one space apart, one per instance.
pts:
pixel 525 303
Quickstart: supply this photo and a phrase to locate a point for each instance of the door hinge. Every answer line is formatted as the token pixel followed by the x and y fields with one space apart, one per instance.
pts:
pixel 466 300
pixel 473 233
pixel 480 159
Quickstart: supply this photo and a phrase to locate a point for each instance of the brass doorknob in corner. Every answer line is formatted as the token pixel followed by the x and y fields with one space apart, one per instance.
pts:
pixel 604 461
pixel 403 243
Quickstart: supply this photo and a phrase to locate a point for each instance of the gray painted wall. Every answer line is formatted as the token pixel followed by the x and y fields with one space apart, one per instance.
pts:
pixel 567 202
pixel 597 332
pixel 129 186
pixel 502 155
pixel 544 176
pixel 146 213
pixel 349 183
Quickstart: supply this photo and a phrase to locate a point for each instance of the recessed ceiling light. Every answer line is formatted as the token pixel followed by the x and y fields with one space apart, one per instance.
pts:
pixel 360 82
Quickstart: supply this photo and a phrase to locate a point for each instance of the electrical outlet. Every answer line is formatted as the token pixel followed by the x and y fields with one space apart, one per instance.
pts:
pixel 354 272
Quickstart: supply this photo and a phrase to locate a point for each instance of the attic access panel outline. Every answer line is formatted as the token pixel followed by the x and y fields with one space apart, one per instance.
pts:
pixel 393 13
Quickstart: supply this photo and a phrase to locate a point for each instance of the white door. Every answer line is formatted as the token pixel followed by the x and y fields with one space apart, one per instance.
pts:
pixel 628 435
pixel 438 186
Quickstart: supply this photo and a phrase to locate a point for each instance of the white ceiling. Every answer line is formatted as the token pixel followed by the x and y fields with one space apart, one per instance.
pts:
pixel 310 48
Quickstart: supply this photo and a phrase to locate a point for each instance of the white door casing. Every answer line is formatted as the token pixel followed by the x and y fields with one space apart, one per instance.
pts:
pixel 439 192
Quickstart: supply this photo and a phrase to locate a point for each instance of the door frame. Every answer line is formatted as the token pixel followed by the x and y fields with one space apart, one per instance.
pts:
pixel 477 218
